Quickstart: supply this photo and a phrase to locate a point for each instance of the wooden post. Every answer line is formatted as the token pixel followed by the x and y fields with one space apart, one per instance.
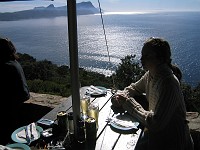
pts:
pixel 74 67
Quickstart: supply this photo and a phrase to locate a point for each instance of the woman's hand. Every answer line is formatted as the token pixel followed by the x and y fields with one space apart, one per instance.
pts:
pixel 118 99
pixel 115 101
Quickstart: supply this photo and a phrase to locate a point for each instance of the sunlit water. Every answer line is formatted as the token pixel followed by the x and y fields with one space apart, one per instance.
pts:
pixel 125 34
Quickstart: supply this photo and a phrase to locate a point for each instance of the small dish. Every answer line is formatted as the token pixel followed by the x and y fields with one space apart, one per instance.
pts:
pixel 19 146
pixel 17 139
pixel 96 91
pixel 124 122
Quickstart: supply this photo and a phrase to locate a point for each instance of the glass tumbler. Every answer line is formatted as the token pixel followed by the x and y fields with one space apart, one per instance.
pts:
pixel 93 111
pixel 84 103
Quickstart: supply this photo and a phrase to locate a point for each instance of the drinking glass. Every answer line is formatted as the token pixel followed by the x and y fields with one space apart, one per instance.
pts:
pixel 93 111
pixel 84 102
pixel 114 90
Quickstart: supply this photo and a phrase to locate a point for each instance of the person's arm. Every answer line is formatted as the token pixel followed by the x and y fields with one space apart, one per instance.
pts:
pixel 136 110
pixel 170 96
pixel 134 89
pixel 170 102
pixel 25 94
pixel 20 86
pixel 137 88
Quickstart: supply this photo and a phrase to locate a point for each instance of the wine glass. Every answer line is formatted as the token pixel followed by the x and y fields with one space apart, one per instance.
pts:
pixel 114 90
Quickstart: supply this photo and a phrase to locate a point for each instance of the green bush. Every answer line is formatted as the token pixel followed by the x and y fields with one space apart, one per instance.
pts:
pixel 127 72
pixel 45 77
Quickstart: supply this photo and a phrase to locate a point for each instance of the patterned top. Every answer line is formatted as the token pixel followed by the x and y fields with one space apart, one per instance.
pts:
pixel 166 117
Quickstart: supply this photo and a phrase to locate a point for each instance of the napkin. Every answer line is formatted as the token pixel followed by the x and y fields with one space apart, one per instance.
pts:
pixel 94 90
pixel 124 121
pixel 124 124
pixel 29 133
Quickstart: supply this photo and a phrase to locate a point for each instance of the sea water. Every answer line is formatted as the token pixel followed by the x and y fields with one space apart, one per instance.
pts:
pixel 102 46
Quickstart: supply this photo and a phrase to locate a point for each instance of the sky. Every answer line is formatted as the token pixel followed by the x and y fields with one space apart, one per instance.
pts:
pixel 110 5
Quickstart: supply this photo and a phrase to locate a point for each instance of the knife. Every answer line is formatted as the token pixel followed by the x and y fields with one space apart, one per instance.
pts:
pixel 32 136
pixel 27 135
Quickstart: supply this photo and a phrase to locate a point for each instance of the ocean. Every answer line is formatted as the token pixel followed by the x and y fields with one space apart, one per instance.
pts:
pixel 124 33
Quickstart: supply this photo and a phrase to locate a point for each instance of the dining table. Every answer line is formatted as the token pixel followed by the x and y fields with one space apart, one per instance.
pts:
pixel 108 136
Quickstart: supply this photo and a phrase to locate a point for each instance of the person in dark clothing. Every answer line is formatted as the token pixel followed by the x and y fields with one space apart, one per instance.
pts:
pixel 14 89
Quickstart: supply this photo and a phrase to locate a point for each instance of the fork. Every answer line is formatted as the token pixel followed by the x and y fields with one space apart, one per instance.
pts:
pixel 109 120
pixel 28 139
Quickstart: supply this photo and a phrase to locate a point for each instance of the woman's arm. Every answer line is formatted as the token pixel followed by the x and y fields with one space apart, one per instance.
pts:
pixel 137 88
pixel 170 97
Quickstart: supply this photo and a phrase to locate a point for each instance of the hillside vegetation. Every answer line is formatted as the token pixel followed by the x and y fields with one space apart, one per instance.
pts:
pixel 46 77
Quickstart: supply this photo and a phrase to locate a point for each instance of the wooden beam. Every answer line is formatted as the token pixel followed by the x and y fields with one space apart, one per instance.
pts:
pixel 74 68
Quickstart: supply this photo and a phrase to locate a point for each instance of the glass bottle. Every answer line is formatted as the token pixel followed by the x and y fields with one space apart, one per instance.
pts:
pixel 71 123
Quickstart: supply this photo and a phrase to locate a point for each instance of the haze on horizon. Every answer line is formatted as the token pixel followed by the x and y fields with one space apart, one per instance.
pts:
pixel 110 5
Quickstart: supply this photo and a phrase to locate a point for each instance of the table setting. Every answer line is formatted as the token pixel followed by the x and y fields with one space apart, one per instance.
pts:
pixel 123 123
pixel 97 121
pixel 59 134
pixel 25 136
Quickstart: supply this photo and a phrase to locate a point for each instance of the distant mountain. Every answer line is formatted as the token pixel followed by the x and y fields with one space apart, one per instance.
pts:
pixel 83 8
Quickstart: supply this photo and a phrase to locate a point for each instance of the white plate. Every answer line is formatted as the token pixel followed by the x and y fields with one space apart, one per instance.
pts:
pixel 124 122
pixel 15 138
pixel 19 146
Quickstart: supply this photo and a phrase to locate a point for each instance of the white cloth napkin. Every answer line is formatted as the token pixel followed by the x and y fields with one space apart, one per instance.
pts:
pixel 32 133
pixel 124 121
pixel 94 90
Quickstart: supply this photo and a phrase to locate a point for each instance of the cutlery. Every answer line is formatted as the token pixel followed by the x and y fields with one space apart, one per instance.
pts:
pixel 32 136
pixel 27 135
pixel 122 123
